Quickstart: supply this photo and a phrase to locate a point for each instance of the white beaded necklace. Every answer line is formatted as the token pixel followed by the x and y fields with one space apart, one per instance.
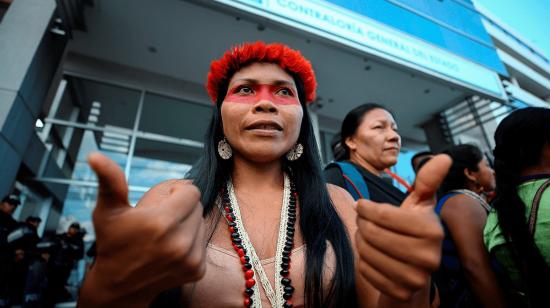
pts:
pixel 475 196
pixel 275 297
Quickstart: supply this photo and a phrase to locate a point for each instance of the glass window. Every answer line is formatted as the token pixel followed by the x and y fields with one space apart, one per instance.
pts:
pixel 156 161
pixel 71 155
pixel 475 121
pixel 100 104
pixel 326 149
pixel 69 132
pixel 175 118
pixel 79 205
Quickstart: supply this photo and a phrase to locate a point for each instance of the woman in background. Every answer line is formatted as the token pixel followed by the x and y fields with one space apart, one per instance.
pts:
pixel 369 143
pixel 465 277
pixel 517 233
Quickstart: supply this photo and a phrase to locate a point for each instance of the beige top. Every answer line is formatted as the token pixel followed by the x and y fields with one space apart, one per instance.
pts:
pixel 223 283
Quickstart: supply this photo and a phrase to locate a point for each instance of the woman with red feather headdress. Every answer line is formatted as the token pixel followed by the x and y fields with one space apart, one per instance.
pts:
pixel 270 231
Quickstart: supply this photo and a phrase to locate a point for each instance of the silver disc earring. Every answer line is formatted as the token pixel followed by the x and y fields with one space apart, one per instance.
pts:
pixel 295 152
pixel 224 149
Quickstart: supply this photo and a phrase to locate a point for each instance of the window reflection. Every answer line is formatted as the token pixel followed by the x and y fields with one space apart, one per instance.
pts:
pixel 154 162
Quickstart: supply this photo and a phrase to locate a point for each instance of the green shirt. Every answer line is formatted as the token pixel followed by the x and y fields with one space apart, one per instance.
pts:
pixel 494 239
pixel 526 191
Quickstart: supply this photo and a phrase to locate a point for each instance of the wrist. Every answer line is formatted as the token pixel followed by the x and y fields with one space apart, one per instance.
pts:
pixel 420 298
pixel 99 290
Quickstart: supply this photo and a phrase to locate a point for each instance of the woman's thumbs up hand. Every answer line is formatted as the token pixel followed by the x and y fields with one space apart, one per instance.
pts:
pixel 399 247
pixel 145 250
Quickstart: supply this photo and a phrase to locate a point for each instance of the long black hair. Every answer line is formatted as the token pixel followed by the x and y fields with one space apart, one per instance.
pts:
pixel 319 220
pixel 349 126
pixel 519 141
pixel 465 156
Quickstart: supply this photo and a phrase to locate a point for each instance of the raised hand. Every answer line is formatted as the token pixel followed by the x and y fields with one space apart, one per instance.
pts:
pixel 399 247
pixel 145 250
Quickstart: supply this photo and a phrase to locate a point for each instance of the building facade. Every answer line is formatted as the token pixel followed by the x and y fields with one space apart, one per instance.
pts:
pixel 127 78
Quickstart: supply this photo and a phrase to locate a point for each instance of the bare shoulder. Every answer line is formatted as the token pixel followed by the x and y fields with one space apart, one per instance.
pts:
pixel 463 210
pixel 344 204
pixel 339 196
pixel 462 203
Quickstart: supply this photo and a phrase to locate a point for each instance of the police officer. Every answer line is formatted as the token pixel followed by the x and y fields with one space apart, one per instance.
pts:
pixel 7 253
pixel 33 222
pixel 64 260
pixel 7 223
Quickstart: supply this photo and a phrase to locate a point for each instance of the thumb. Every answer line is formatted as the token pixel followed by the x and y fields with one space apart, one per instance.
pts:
pixel 113 189
pixel 427 182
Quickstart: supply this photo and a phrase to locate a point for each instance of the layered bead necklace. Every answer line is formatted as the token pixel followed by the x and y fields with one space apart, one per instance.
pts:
pixel 251 265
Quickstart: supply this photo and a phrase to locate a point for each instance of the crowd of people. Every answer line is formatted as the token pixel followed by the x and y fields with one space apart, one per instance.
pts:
pixel 491 254
pixel 257 224
pixel 34 270
pixel 260 222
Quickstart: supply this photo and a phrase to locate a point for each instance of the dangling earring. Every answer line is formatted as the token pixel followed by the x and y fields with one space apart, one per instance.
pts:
pixel 295 152
pixel 224 149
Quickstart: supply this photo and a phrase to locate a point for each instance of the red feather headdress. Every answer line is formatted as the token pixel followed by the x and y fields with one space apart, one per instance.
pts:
pixel 290 60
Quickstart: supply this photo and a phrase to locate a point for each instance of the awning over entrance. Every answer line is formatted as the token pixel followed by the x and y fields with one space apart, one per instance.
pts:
pixel 178 39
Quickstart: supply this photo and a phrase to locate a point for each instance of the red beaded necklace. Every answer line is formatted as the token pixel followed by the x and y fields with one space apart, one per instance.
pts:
pixel 232 217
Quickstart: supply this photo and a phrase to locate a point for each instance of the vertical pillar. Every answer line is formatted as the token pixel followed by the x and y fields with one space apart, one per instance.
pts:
pixel 29 56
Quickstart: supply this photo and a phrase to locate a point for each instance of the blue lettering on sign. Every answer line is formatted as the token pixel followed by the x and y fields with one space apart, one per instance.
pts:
pixel 322 17
pixel 346 27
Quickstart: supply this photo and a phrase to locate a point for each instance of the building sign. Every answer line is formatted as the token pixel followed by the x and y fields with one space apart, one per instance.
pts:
pixel 341 25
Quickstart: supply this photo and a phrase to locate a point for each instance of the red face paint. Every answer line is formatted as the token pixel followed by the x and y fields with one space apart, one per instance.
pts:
pixel 253 93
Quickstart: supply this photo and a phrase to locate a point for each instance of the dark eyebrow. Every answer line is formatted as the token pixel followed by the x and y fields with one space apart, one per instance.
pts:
pixel 284 83
pixel 279 82
pixel 385 122
pixel 246 80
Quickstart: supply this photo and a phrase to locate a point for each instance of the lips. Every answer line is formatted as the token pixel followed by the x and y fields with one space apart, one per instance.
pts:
pixel 392 148
pixel 264 125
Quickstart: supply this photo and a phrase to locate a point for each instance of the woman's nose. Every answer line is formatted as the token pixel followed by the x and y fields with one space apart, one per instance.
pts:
pixel 394 136
pixel 265 105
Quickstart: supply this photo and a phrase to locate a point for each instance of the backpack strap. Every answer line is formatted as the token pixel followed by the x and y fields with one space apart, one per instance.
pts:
pixel 354 181
pixel 535 207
